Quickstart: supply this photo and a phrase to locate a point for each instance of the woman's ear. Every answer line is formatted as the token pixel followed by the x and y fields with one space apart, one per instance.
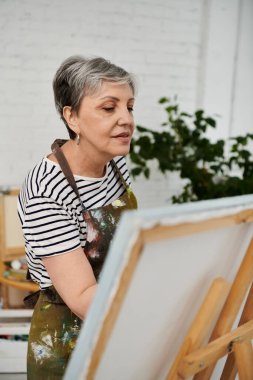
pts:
pixel 71 118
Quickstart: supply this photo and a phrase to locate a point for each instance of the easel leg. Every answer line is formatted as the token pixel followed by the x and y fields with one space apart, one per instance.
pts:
pixel 233 303
pixel 244 359
pixel 229 371
pixel 5 296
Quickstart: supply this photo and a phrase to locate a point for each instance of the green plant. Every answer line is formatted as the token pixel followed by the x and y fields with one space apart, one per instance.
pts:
pixel 182 145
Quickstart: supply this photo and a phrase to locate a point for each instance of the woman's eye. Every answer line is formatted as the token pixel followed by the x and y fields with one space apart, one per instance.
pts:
pixel 108 109
pixel 111 109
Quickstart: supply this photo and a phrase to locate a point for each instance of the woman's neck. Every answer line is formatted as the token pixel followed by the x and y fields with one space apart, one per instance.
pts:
pixel 81 164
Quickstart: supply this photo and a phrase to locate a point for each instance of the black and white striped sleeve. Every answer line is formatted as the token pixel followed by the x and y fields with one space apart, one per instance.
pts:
pixel 49 228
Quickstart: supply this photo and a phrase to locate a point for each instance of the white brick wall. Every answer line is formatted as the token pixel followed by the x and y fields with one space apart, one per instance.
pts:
pixel 227 87
pixel 160 41
pixel 242 100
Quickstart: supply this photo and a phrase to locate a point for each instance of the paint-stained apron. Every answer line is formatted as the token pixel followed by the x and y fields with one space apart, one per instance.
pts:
pixel 54 328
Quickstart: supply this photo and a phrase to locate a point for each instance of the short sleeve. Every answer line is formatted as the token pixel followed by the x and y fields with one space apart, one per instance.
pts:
pixel 49 228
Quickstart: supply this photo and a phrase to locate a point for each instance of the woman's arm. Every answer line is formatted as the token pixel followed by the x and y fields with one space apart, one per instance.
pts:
pixel 73 278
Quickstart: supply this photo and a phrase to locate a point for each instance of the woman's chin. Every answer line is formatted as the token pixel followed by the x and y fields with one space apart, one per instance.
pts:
pixel 120 150
pixel 123 151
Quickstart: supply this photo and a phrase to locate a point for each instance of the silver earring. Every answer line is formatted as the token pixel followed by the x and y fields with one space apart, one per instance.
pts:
pixel 77 139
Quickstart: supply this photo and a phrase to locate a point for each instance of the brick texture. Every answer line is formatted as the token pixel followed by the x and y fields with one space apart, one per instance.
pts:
pixel 159 41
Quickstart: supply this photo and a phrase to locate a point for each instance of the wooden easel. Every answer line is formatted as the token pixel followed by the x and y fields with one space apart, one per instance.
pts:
pixel 198 358
pixel 10 232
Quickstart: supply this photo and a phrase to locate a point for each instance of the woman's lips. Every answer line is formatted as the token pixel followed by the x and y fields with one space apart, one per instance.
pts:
pixel 123 134
pixel 123 137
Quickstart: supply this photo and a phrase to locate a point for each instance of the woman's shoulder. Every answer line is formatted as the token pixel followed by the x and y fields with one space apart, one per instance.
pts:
pixel 44 181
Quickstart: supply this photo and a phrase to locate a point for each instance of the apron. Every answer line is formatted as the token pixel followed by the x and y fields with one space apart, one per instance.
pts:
pixel 54 327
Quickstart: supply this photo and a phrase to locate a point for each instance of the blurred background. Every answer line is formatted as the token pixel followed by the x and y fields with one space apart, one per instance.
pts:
pixel 199 50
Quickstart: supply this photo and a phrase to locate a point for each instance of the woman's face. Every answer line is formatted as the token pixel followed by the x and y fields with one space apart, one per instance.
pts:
pixel 105 121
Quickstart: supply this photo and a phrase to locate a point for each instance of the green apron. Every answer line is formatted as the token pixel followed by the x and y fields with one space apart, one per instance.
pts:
pixel 54 328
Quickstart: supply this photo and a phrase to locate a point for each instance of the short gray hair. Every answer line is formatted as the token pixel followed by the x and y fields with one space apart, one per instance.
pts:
pixel 78 76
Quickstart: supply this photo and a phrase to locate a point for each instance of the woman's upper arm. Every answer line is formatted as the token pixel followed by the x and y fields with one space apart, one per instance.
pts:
pixel 51 230
pixel 72 276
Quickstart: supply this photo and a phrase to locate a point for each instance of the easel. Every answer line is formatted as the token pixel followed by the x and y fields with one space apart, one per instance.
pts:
pixel 198 359
pixel 11 245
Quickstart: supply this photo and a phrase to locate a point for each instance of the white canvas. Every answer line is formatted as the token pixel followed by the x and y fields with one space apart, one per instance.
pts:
pixel 168 286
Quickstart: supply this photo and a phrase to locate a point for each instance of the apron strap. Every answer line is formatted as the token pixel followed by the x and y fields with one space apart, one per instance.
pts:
pixel 56 149
pixel 116 169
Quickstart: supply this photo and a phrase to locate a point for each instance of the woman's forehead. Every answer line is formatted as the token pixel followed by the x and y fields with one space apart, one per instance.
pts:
pixel 111 89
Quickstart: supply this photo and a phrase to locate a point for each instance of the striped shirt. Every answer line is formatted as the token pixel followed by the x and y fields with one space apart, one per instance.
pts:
pixel 51 214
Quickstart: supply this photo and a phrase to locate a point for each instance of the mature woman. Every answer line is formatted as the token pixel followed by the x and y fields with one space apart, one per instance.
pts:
pixel 71 202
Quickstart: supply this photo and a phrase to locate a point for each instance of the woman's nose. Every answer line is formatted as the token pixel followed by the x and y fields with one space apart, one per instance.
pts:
pixel 125 117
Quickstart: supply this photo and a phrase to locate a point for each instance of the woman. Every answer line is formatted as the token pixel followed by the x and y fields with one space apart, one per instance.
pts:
pixel 71 202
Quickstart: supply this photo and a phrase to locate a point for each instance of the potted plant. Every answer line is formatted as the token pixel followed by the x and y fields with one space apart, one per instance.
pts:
pixel 212 169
